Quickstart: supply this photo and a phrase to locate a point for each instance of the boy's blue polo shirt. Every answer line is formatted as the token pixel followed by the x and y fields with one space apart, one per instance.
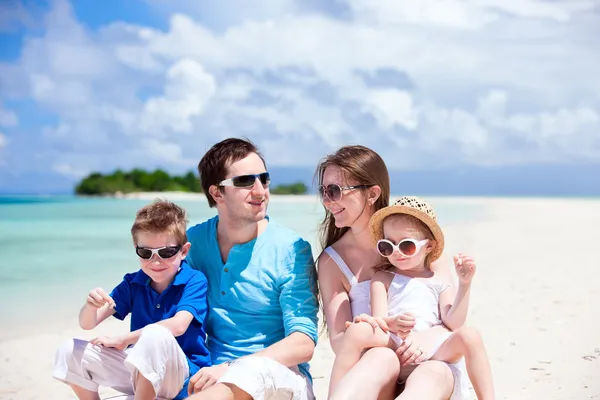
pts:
pixel 264 292
pixel 187 292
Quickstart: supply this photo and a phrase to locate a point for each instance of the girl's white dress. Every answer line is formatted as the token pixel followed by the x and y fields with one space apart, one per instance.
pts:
pixel 419 297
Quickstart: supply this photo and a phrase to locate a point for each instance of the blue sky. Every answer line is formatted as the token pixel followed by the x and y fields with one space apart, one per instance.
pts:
pixel 469 85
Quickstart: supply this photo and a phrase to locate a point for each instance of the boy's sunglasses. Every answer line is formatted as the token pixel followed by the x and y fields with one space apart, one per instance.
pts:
pixel 333 192
pixel 163 252
pixel 245 181
pixel 407 247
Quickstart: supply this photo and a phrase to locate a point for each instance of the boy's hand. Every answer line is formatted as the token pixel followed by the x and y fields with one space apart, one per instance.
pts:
pixel 98 298
pixel 465 268
pixel 115 342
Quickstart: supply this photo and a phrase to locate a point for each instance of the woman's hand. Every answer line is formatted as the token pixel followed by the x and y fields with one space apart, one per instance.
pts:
pixel 418 346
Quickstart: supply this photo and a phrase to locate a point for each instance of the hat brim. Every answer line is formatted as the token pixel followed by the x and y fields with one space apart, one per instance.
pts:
pixel 376 226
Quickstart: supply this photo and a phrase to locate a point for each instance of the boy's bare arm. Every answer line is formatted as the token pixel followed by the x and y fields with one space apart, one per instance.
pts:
pixel 177 325
pixel 99 306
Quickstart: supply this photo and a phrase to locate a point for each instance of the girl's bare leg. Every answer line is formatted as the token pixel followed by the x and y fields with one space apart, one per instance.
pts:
pixel 467 342
pixel 358 337
pixel 373 377
pixel 431 380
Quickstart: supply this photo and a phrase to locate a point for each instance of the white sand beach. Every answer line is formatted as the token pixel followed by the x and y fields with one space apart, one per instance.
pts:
pixel 535 300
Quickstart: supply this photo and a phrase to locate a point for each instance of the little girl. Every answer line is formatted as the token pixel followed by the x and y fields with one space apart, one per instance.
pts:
pixel 408 235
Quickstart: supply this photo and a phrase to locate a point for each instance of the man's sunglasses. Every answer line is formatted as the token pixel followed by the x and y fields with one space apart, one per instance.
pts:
pixel 163 252
pixel 333 192
pixel 407 247
pixel 245 181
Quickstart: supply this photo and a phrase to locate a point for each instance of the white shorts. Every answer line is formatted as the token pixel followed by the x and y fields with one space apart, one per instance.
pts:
pixel 156 355
pixel 266 379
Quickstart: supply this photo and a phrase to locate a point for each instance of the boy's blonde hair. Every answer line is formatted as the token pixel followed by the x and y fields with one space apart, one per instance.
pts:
pixel 161 216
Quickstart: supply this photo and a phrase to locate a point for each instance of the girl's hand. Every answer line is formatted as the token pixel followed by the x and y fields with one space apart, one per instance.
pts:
pixel 401 324
pixel 115 342
pixel 465 268
pixel 375 322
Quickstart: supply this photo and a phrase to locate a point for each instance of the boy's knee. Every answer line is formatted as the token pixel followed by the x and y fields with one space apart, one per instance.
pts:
pixel 69 348
pixel 156 334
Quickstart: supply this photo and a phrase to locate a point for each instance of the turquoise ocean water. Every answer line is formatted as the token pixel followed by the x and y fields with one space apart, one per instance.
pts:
pixel 53 250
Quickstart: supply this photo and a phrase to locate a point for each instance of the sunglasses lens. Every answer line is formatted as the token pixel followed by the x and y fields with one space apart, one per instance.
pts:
pixel 244 181
pixel 385 248
pixel 168 252
pixel 334 192
pixel 265 178
pixel 408 247
pixel 146 254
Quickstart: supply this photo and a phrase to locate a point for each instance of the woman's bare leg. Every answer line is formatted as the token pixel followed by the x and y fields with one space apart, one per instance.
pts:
pixel 373 377
pixel 432 380
pixel 466 342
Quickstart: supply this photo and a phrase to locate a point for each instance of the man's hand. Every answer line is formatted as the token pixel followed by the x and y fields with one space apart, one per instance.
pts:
pixel 114 342
pixel 206 377
pixel 98 298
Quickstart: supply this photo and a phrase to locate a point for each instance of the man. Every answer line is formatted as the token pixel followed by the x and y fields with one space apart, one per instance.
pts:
pixel 262 320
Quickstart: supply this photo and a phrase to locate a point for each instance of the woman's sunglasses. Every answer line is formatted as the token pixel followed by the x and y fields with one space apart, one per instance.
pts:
pixel 407 247
pixel 163 252
pixel 333 192
pixel 245 181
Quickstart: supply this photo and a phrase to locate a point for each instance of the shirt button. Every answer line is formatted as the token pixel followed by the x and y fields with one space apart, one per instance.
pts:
pixel 223 293
pixel 158 306
pixel 226 270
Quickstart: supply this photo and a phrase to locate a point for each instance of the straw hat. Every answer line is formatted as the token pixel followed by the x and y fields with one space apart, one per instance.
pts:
pixel 418 208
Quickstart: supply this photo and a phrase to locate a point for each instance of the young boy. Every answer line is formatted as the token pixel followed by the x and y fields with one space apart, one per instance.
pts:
pixel 167 302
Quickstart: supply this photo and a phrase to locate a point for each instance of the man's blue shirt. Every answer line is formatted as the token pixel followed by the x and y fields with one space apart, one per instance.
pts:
pixel 263 293
pixel 187 292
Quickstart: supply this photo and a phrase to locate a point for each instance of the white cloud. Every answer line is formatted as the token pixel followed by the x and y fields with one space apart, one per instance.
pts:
pixel 8 118
pixel 3 141
pixel 492 81
pixel 391 106
pixel 187 91
pixel 69 171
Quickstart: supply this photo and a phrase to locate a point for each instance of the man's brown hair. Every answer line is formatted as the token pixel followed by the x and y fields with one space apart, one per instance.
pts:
pixel 161 216
pixel 213 165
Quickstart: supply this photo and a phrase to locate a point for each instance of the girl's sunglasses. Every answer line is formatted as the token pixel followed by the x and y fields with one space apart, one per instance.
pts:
pixel 407 247
pixel 163 252
pixel 245 181
pixel 333 192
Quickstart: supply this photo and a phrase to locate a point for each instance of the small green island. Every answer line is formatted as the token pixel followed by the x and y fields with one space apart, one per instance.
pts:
pixel 138 180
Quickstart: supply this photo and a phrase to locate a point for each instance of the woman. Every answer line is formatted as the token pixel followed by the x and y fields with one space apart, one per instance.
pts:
pixel 354 184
